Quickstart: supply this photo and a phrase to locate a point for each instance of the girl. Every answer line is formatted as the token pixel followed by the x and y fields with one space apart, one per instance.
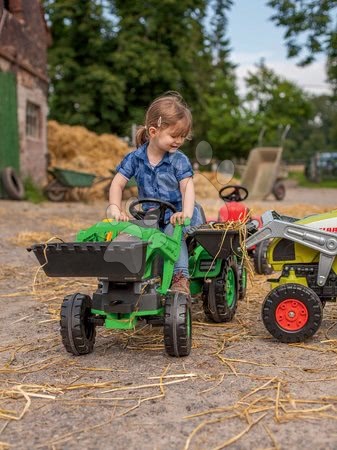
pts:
pixel 162 171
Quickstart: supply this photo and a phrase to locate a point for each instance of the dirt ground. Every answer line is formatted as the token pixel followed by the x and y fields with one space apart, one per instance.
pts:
pixel 239 388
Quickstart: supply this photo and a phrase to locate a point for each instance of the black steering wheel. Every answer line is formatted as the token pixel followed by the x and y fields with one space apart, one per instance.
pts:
pixel 158 212
pixel 234 193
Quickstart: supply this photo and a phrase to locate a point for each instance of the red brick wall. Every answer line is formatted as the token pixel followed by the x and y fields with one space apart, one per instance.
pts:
pixel 24 39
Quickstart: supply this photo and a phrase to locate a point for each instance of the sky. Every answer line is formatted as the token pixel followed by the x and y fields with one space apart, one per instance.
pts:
pixel 252 37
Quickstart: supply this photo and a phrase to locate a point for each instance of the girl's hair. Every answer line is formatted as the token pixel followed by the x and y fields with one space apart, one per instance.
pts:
pixel 165 111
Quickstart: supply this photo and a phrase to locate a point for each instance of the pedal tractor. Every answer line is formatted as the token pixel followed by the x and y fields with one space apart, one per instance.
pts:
pixel 134 264
pixel 235 210
pixel 305 252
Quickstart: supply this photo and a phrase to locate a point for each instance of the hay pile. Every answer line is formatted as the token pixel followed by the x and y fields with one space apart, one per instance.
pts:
pixel 76 148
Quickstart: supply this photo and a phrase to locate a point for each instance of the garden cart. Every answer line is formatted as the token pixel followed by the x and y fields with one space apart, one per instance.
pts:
pixel 64 181
pixel 134 263
pixel 304 251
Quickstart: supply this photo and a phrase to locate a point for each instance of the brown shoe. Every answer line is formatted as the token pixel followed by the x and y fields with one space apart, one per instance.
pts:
pixel 180 283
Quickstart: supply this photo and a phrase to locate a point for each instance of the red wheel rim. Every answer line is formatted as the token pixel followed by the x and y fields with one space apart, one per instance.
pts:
pixel 291 314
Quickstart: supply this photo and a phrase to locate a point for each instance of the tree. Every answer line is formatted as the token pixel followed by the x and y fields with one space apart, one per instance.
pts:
pixel 276 103
pixel 160 47
pixel 84 87
pixel 312 20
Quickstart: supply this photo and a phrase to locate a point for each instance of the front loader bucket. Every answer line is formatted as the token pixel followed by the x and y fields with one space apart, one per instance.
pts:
pixel 118 261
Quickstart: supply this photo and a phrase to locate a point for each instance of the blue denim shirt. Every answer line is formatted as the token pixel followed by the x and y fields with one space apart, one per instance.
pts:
pixel 160 182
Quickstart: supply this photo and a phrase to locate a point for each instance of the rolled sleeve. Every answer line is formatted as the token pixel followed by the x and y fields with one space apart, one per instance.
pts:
pixel 127 167
pixel 183 168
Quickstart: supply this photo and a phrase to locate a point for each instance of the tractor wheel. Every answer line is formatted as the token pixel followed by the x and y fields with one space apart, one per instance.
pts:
pixel 220 297
pixel 55 192
pixel 242 282
pixel 177 325
pixel 261 265
pixel 279 190
pixel 292 312
pixel 77 331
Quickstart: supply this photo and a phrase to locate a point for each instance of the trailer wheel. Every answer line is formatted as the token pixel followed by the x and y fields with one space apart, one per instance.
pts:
pixel 12 184
pixel 220 296
pixel 261 265
pixel 242 282
pixel 77 331
pixel 292 312
pixel 279 190
pixel 177 325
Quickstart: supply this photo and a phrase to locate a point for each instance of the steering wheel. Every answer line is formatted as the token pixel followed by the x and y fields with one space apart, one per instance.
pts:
pixel 159 212
pixel 235 193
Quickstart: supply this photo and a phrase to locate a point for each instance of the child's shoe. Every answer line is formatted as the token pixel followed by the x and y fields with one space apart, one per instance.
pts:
pixel 180 283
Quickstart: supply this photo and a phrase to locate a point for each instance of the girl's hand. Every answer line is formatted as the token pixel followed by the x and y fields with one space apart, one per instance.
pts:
pixel 177 218
pixel 114 213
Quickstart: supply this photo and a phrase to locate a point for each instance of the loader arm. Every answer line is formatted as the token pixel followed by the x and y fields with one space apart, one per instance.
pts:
pixel 322 241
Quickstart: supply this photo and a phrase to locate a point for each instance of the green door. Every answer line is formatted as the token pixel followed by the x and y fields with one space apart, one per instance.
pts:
pixel 9 135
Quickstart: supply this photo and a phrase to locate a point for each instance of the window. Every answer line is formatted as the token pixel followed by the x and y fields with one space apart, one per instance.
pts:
pixel 33 120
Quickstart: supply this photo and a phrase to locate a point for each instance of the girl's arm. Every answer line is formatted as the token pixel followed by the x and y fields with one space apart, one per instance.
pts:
pixel 115 198
pixel 188 196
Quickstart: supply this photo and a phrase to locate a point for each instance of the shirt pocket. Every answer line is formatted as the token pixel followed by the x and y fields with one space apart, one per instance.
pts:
pixel 167 182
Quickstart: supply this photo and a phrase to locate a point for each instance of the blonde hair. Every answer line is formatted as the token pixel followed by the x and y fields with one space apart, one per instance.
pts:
pixel 165 111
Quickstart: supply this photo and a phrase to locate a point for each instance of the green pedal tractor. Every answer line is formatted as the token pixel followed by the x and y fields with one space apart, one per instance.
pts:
pixel 304 251
pixel 134 263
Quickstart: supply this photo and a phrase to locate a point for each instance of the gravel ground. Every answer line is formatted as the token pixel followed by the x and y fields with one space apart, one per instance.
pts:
pixel 238 388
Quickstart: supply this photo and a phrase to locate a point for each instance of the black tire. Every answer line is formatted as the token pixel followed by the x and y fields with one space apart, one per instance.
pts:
pixel 261 265
pixel 177 325
pixel 242 282
pixel 279 190
pixel 55 192
pixel 220 296
pixel 306 312
pixel 12 184
pixel 77 331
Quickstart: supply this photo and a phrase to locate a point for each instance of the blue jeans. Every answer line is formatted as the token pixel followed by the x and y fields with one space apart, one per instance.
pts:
pixel 182 264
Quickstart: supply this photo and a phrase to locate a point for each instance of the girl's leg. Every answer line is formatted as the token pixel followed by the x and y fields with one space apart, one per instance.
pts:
pixel 181 266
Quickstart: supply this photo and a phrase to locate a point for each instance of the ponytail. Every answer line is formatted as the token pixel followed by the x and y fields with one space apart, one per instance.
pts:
pixel 141 136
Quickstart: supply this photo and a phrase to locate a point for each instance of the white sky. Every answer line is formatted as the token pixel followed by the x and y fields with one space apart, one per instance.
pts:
pixel 253 36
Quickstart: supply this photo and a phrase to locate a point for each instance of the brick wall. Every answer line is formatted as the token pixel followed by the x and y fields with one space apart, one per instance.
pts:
pixel 23 50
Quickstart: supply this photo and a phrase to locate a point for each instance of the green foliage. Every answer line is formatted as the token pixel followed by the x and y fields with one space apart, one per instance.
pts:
pixel 304 182
pixel 33 193
pixel 277 103
pixel 311 20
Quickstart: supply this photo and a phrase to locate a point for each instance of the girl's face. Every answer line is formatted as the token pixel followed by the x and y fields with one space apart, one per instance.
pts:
pixel 168 139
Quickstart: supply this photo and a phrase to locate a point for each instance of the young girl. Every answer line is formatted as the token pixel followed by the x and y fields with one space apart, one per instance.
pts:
pixel 162 171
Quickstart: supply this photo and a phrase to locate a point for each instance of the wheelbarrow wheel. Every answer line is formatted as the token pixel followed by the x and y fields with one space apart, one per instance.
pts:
pixel 55 192
pixel 261 265
pixel 220 296
pixel 177 325
pixel 292 312
pixel 279 190
pixel 77 330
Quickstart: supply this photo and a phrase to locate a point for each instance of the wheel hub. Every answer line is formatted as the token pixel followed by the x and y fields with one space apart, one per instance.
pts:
pixel 291 314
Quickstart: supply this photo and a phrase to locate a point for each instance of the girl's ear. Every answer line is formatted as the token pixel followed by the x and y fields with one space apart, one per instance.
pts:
pixel 152 132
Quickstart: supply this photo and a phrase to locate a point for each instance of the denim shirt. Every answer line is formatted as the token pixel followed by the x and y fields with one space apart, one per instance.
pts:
pixel 161 181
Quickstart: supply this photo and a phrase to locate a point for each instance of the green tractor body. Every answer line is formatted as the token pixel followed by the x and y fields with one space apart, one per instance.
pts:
pixel 134 263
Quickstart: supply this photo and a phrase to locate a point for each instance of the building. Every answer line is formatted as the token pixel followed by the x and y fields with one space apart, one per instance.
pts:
pixel 24 39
